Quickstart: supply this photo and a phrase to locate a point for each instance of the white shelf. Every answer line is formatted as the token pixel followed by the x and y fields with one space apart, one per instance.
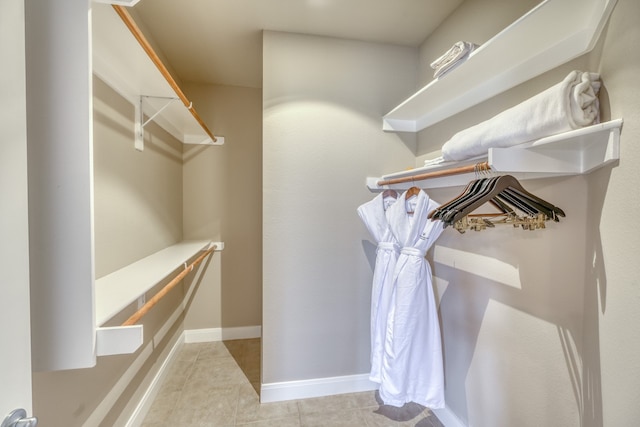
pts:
pixel 117 290
pixel 572 153
pixel 551 34
pixel 72 306
pixel 121 62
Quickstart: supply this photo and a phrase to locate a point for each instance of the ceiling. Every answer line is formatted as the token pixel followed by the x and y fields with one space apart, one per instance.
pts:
pixel 220 41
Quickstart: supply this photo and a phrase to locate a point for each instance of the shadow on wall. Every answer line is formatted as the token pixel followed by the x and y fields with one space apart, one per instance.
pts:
pixel 191 283
pixel 595 300
pixel 520 316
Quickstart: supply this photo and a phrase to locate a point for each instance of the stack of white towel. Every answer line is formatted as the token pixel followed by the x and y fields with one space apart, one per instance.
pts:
pixel 568 105
pixel 456 55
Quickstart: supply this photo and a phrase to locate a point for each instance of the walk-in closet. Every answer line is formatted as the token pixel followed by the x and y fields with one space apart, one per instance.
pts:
pixel 320 213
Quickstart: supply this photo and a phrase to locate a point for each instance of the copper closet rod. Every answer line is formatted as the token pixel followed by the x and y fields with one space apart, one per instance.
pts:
pixel 135 30
pixel 478 167
pixel 164 291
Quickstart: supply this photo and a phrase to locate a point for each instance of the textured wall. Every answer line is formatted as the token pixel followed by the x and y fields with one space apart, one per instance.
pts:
pixel 138 211
pixel 539 328
pixel 613 325
pixel 323 103
pixel 14 226
pixel 138 195
pixel 223 202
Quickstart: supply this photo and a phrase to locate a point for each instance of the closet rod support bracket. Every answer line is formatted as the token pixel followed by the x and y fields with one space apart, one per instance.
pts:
pixel 140 122
pixel 219 246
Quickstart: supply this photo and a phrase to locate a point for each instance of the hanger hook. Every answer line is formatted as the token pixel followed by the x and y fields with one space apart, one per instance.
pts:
pixel 486 170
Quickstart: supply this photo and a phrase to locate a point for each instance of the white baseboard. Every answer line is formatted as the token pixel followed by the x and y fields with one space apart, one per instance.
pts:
pixel 101 411
pixel 219 334
pixel 150 394
pixel 448 418
pixel 291 390
pixel 318 387
pixel 273 392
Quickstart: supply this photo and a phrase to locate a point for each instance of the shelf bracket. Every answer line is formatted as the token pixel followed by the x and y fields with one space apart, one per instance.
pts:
pixel 140 123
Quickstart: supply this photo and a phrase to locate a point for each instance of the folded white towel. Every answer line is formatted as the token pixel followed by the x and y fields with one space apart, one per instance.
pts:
pixel 436 161
pixel 457 54
pixel 568 105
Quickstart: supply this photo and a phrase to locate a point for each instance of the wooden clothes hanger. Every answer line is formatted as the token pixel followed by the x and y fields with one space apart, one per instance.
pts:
pixel 412 191
pixel 507 189
pixel 515 194
pixel 390 193
pixel 389 197
pixel 480 195
pixel 470 191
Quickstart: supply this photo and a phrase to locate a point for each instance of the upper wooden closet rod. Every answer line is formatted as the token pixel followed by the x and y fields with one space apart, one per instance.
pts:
pixel 164 291
pixel 135 30
pixel 478 167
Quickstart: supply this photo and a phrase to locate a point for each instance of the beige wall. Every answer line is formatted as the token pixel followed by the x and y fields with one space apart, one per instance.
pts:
pixel 138 195
pixel 546 333
pixel 14 225
pixel 223 202
pixel 323 103
pixel 137 211
pixel 612 324
pixel 145 201
pixel 475 21
pixel 511 307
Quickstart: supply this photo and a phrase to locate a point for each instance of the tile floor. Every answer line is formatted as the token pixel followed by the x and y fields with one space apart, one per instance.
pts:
pixel 217 384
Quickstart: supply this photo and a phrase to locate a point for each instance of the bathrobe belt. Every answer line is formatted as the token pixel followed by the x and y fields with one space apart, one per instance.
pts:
pixel 411 251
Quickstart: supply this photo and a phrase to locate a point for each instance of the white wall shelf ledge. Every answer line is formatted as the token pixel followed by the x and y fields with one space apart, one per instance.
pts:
pixel 120 60
pixel 518 53
pixel 577 152
pixel 91 40
pixel 115 291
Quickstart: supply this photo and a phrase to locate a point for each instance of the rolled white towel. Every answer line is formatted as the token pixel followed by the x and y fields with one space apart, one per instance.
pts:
pixel 453 57
pixel 568 105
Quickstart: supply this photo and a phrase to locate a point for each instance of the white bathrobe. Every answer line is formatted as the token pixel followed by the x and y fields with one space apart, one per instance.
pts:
pixel 374 217
pixel 412 368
